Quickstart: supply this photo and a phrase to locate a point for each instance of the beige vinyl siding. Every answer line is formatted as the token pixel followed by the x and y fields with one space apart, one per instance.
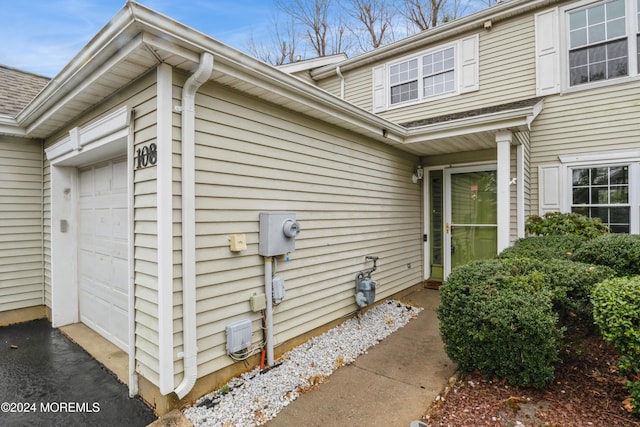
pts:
pixel 506 74
pixel 524 139
pixel 601 120
pixel 145 242
pixel 352 197
pixel 141 97
pixel 46 229
pixel 21 238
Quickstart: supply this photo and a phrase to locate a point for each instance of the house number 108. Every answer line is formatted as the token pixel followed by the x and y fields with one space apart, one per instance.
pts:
pixel 146 156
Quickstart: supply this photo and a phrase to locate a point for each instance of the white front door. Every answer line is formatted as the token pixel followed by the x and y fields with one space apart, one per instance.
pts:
pixel 103 250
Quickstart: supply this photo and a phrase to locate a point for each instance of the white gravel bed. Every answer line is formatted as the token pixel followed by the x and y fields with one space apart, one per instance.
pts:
pixel 255 397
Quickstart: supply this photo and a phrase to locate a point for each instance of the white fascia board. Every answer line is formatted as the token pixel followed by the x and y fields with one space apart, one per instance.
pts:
pixel 310 64
pixel 504 120
pixel 472 22
pixel 42 112
pixel 9 126
pixel 85 62
pixel 136 25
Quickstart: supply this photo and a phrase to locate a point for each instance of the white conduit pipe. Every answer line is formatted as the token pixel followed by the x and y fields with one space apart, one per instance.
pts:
pixel 190 353
pixel 268 290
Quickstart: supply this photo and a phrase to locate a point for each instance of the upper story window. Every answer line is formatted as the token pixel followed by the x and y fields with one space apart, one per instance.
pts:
pixel 438 71
pixel 403 78
pixel 443 70
pixel 424 76
pixel 587 43
pixel 598 47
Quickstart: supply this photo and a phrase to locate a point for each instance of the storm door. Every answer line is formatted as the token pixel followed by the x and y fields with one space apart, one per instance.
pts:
pixel 470 216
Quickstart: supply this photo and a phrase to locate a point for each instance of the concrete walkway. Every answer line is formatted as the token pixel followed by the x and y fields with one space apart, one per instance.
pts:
pixel 390 386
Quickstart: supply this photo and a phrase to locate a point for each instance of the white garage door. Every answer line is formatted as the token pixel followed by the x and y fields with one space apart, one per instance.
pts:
pixel 103 248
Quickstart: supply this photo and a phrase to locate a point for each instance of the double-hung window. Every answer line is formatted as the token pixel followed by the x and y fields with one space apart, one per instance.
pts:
pixel 602 41
pixel 440 71
pixel 424 76
pixel 603 192
pixel 403 79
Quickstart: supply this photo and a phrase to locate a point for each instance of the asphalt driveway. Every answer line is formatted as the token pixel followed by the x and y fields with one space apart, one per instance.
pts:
pixel 47 380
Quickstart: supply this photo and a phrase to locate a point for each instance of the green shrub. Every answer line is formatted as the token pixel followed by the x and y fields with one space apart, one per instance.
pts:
pixel 506 317
pixel 618 251
pixel 545 247
pixel 555 223
pixel 490 322
pixel 634 390
pixel 616 311
pixel 567 283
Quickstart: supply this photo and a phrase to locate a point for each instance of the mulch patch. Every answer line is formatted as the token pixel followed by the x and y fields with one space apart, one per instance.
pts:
pixel 587 391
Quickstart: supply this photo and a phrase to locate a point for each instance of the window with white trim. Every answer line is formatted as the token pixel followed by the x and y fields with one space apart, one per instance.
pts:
pixel 438 71
pixel 600 44
pixel 424 76
pixel 603 192
pixel 443 70
pixel 403 79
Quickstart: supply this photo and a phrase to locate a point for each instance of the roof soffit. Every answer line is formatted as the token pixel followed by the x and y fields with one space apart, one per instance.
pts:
pixel 138 38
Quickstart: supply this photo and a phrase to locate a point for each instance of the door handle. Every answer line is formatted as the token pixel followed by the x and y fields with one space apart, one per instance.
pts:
pixel 446 228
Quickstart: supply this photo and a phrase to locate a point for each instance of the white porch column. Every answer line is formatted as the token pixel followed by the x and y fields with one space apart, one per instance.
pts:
pixel 503 142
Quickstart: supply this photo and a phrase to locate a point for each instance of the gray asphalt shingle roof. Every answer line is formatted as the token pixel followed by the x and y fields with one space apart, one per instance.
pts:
pixel 18 88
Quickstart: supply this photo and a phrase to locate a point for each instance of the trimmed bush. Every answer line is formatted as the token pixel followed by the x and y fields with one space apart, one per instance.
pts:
pixel 618 251
pixel 545 247
pixel 495 325
pixel 506 317
pixel 556 223
pixel 567 283
pixel 616 311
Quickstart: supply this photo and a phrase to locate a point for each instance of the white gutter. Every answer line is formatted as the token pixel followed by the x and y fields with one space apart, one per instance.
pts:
pixel 190 352
pixel 473 22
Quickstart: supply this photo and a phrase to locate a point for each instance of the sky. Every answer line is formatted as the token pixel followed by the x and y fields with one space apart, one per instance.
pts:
pixel 42 36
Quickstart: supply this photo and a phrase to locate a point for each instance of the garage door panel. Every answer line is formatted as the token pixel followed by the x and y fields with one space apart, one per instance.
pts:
pixel 119 224
pixel 120 178
pixel 86 183
pixel 120 274
pixel 103 255
pixel 102 223
pixel 102 179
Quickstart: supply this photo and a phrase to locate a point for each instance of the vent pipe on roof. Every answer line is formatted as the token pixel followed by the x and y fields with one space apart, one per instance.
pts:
pixel 190 349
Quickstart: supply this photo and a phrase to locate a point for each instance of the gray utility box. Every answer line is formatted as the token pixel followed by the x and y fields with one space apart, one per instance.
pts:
pixel 278 231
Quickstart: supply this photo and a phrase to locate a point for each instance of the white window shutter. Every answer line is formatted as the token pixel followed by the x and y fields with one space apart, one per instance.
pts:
pixel 379 89
pixel 469 60
pixel 550 188
pixel 547 52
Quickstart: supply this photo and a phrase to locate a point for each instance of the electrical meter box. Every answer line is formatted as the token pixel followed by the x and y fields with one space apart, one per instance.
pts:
pixel 278 231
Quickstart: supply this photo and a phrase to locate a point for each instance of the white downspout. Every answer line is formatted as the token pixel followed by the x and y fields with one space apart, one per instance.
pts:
pixel 339 74
pixel 190 353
